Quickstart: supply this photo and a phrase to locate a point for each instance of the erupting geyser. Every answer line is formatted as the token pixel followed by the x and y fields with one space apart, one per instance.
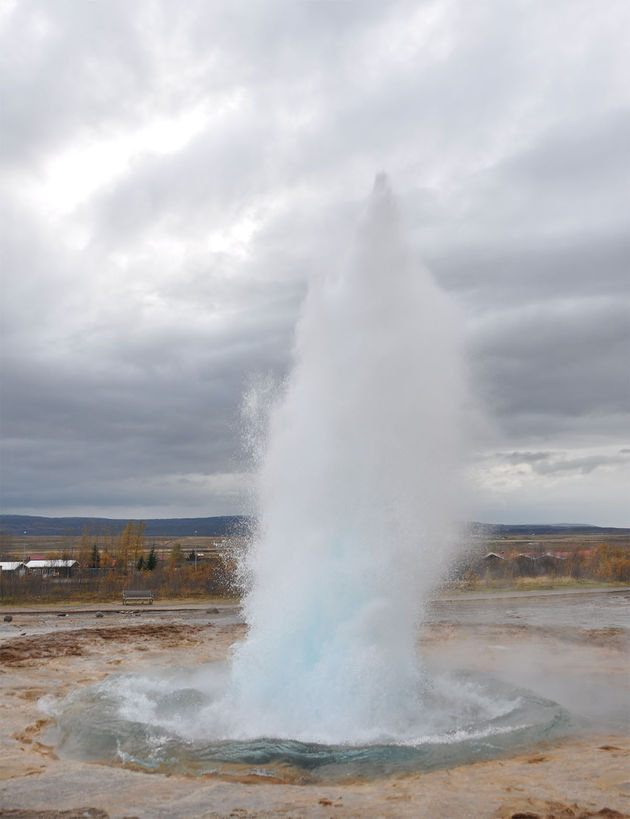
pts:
pixel 357 492
pixel 356 498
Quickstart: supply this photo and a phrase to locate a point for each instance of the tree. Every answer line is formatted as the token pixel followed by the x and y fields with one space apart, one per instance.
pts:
pixel 106 538
pixel 130 544
pixel 600 562
pixel 140 563
pixel 175 557
pixel 125 547
pixel 95 560
pixel 152 560
pixel 85 552
pixel 138 537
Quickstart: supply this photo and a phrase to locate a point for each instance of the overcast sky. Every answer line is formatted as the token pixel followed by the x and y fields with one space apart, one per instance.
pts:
pixel 173 172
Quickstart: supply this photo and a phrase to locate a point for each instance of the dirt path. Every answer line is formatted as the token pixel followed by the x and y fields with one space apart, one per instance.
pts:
pixel 46 655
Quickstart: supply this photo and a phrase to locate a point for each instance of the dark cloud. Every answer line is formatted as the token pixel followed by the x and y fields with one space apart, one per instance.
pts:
pixel 565 361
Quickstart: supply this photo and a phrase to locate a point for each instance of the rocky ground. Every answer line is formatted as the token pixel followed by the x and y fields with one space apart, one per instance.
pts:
pixel 49 654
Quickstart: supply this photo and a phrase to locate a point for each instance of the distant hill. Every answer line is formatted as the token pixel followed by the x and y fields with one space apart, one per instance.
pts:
pixel 498 529
pixel 157 527
pixel 238 524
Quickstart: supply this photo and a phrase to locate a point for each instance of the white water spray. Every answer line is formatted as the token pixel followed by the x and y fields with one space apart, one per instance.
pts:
pixel 357 492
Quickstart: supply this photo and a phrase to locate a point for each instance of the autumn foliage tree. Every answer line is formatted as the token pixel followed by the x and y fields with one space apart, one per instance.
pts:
pixel 130 545
pixel 611 564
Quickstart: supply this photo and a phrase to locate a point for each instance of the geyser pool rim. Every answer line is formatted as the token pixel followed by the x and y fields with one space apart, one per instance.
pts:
pixel 94 724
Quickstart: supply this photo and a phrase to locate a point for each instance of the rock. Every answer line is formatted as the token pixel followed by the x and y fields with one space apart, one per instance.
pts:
pixel 99 614
pixel 212 611
pixel 7 618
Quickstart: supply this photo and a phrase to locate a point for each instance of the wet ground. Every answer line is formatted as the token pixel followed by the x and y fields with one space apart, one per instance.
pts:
pixel 584 609
pixel 571 648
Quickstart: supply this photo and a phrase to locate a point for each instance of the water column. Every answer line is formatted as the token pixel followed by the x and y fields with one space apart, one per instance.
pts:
pixel 356 496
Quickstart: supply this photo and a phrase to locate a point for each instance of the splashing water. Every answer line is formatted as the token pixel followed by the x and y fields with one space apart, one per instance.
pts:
pixel 356 492
pixel 167 722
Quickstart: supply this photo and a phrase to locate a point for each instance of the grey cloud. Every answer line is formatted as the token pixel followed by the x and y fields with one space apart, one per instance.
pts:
pixel 144 376
pixel 205 185
pixel 547 222
pixel 490 277
pixel 564 362
pixel 577 175
pixel 79 429
pixel 523 457
pixel 353 111
pixel 552 463
pixel 583 158
pixel 68 66
pixel 582 465
pixel 74 67
pixel 124 392
pixel 266 36
pixel 408 116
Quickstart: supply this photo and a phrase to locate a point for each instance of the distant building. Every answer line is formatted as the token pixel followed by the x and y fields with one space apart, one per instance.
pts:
pixel 492 564
pixel 525 564
pixel 549 563
pixel 52 568
pixel 12 567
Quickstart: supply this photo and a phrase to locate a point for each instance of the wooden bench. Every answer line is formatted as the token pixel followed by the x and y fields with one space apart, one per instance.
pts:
pixel 130 596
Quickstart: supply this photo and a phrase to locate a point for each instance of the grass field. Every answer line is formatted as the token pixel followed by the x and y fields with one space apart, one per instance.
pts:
pixel 560 541
pixel 20 546
pixel 543 583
